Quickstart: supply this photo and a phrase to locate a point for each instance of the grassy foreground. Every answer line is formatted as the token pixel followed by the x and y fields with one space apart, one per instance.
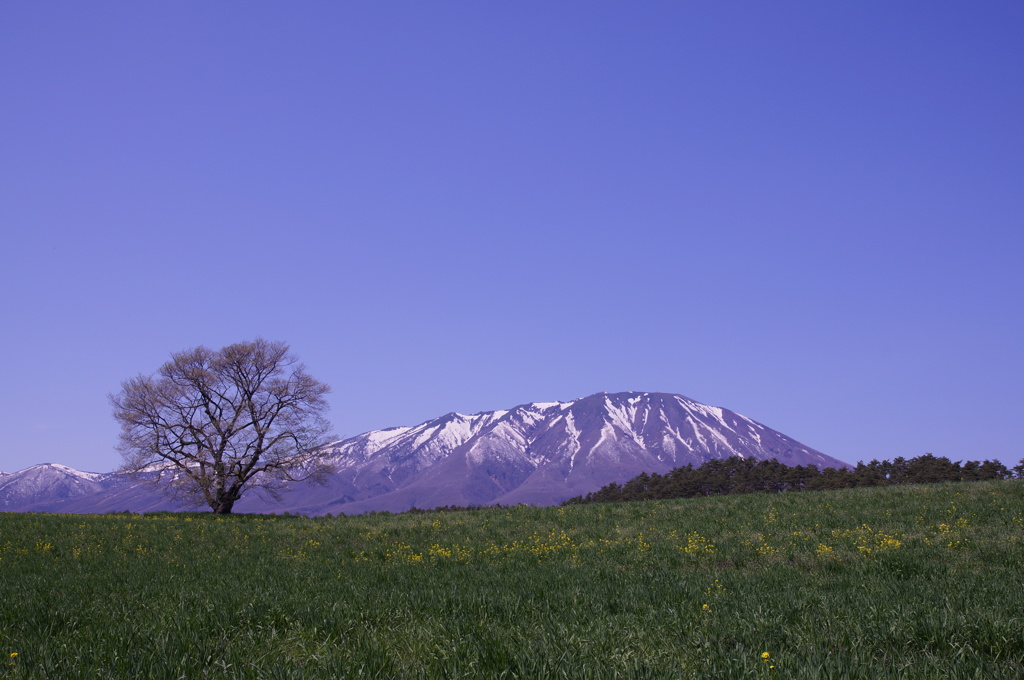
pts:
pixel 900 582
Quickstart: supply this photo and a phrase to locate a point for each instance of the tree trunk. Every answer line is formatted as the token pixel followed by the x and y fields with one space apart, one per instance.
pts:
pixel 225 497
pixel 224 502
pixel 223 508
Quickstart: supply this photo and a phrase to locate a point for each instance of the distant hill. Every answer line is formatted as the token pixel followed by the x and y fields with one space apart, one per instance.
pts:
pixel 538 453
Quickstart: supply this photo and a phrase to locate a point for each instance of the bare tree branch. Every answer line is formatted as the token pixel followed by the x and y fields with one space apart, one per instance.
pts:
pixel 211 424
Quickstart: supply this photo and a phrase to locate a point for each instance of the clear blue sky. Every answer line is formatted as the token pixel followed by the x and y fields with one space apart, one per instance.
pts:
pixel 811 213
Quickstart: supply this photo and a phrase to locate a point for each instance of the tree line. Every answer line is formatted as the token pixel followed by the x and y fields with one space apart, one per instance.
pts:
pixel 745 475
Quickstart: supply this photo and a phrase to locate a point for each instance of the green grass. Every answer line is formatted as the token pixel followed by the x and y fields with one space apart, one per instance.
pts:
pixel 900 582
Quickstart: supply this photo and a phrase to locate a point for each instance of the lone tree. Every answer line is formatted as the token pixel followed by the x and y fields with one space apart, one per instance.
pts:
pixel 210 423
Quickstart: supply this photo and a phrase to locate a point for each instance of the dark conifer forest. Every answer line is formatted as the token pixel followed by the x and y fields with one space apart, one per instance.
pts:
pixel 737 475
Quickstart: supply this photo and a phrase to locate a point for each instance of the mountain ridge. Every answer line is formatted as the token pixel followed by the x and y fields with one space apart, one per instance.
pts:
pixel 537 453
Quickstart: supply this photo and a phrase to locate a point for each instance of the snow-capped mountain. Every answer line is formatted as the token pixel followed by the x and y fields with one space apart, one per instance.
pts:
pixel 542 453
pixel 48 480
pixel 539 453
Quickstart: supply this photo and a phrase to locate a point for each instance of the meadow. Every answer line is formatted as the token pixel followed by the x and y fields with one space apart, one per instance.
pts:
pixel 899 582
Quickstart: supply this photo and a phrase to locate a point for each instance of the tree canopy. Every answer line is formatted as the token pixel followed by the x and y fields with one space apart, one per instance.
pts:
pixel 746 475
pixel 211 424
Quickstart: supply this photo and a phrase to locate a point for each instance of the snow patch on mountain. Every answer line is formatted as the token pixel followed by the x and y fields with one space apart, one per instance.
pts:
pixel 538 453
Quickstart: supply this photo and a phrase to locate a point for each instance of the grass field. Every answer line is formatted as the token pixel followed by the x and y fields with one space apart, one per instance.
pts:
pixel 899 582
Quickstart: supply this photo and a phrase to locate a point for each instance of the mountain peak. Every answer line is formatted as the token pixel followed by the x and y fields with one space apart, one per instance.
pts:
pixel 543 452
pixel 538 453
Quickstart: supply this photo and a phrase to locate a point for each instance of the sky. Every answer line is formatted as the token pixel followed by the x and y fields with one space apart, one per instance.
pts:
pixel 808 213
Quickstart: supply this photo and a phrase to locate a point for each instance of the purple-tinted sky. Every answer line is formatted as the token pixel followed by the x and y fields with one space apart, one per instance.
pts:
pixel 811 213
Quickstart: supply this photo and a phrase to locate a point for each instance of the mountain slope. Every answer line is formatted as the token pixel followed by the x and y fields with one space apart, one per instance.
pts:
pixel 542 453
pixel 539 453
pixel 48 480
